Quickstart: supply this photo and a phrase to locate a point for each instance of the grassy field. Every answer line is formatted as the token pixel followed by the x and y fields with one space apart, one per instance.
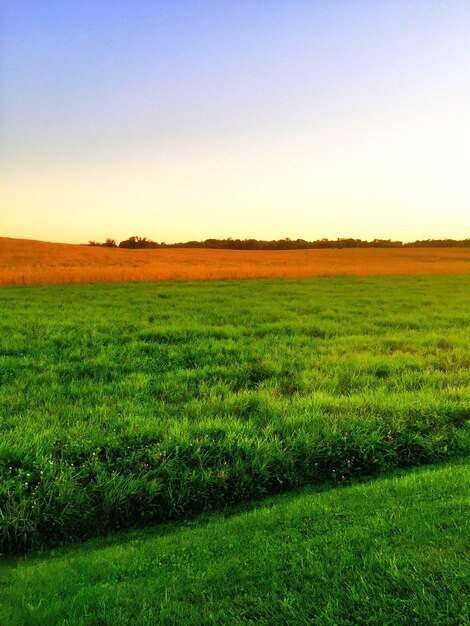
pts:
pixel 122 405
pixel 25 262
pixel 391 551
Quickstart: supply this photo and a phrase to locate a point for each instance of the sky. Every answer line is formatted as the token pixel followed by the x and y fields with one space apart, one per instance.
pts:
pixel 189 119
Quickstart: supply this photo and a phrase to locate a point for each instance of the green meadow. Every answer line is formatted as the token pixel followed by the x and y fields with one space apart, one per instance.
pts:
pixel 124 405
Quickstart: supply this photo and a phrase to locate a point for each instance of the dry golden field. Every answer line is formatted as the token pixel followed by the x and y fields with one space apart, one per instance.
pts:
pixel 29 262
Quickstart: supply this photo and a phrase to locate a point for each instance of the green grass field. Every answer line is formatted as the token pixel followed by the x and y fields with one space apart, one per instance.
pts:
pixel 391 551
pixel 128 404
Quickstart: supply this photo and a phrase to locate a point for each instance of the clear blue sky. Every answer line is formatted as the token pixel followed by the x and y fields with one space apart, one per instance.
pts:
pixel 184 120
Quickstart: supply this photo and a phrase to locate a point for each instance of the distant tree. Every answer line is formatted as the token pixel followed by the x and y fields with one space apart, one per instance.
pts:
pixel 284 244
pixel 109 243
pixel 138 242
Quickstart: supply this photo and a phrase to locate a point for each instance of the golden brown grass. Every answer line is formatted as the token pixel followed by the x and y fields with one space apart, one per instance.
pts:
pixel 28 262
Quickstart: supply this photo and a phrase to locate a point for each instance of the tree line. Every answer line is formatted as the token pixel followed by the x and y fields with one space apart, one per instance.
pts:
pixel 282 244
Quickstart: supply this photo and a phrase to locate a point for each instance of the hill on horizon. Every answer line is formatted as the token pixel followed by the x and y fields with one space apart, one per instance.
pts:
pixel 30 262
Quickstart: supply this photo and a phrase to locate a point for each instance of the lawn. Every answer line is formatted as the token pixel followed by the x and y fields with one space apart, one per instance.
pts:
pixel 390 551
pixel 122 405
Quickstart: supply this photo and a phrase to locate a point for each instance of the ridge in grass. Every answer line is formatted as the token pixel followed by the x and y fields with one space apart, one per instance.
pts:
pixel 389 551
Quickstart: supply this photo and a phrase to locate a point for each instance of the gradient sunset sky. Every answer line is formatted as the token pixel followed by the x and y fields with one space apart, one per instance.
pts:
pixel 181 120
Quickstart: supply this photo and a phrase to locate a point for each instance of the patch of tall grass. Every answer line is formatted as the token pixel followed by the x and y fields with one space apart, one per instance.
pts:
pixel 389 551
pixel 26 262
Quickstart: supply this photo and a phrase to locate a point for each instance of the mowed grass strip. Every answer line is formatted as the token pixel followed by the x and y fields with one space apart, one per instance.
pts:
pixel 128 404
pixel 391 551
